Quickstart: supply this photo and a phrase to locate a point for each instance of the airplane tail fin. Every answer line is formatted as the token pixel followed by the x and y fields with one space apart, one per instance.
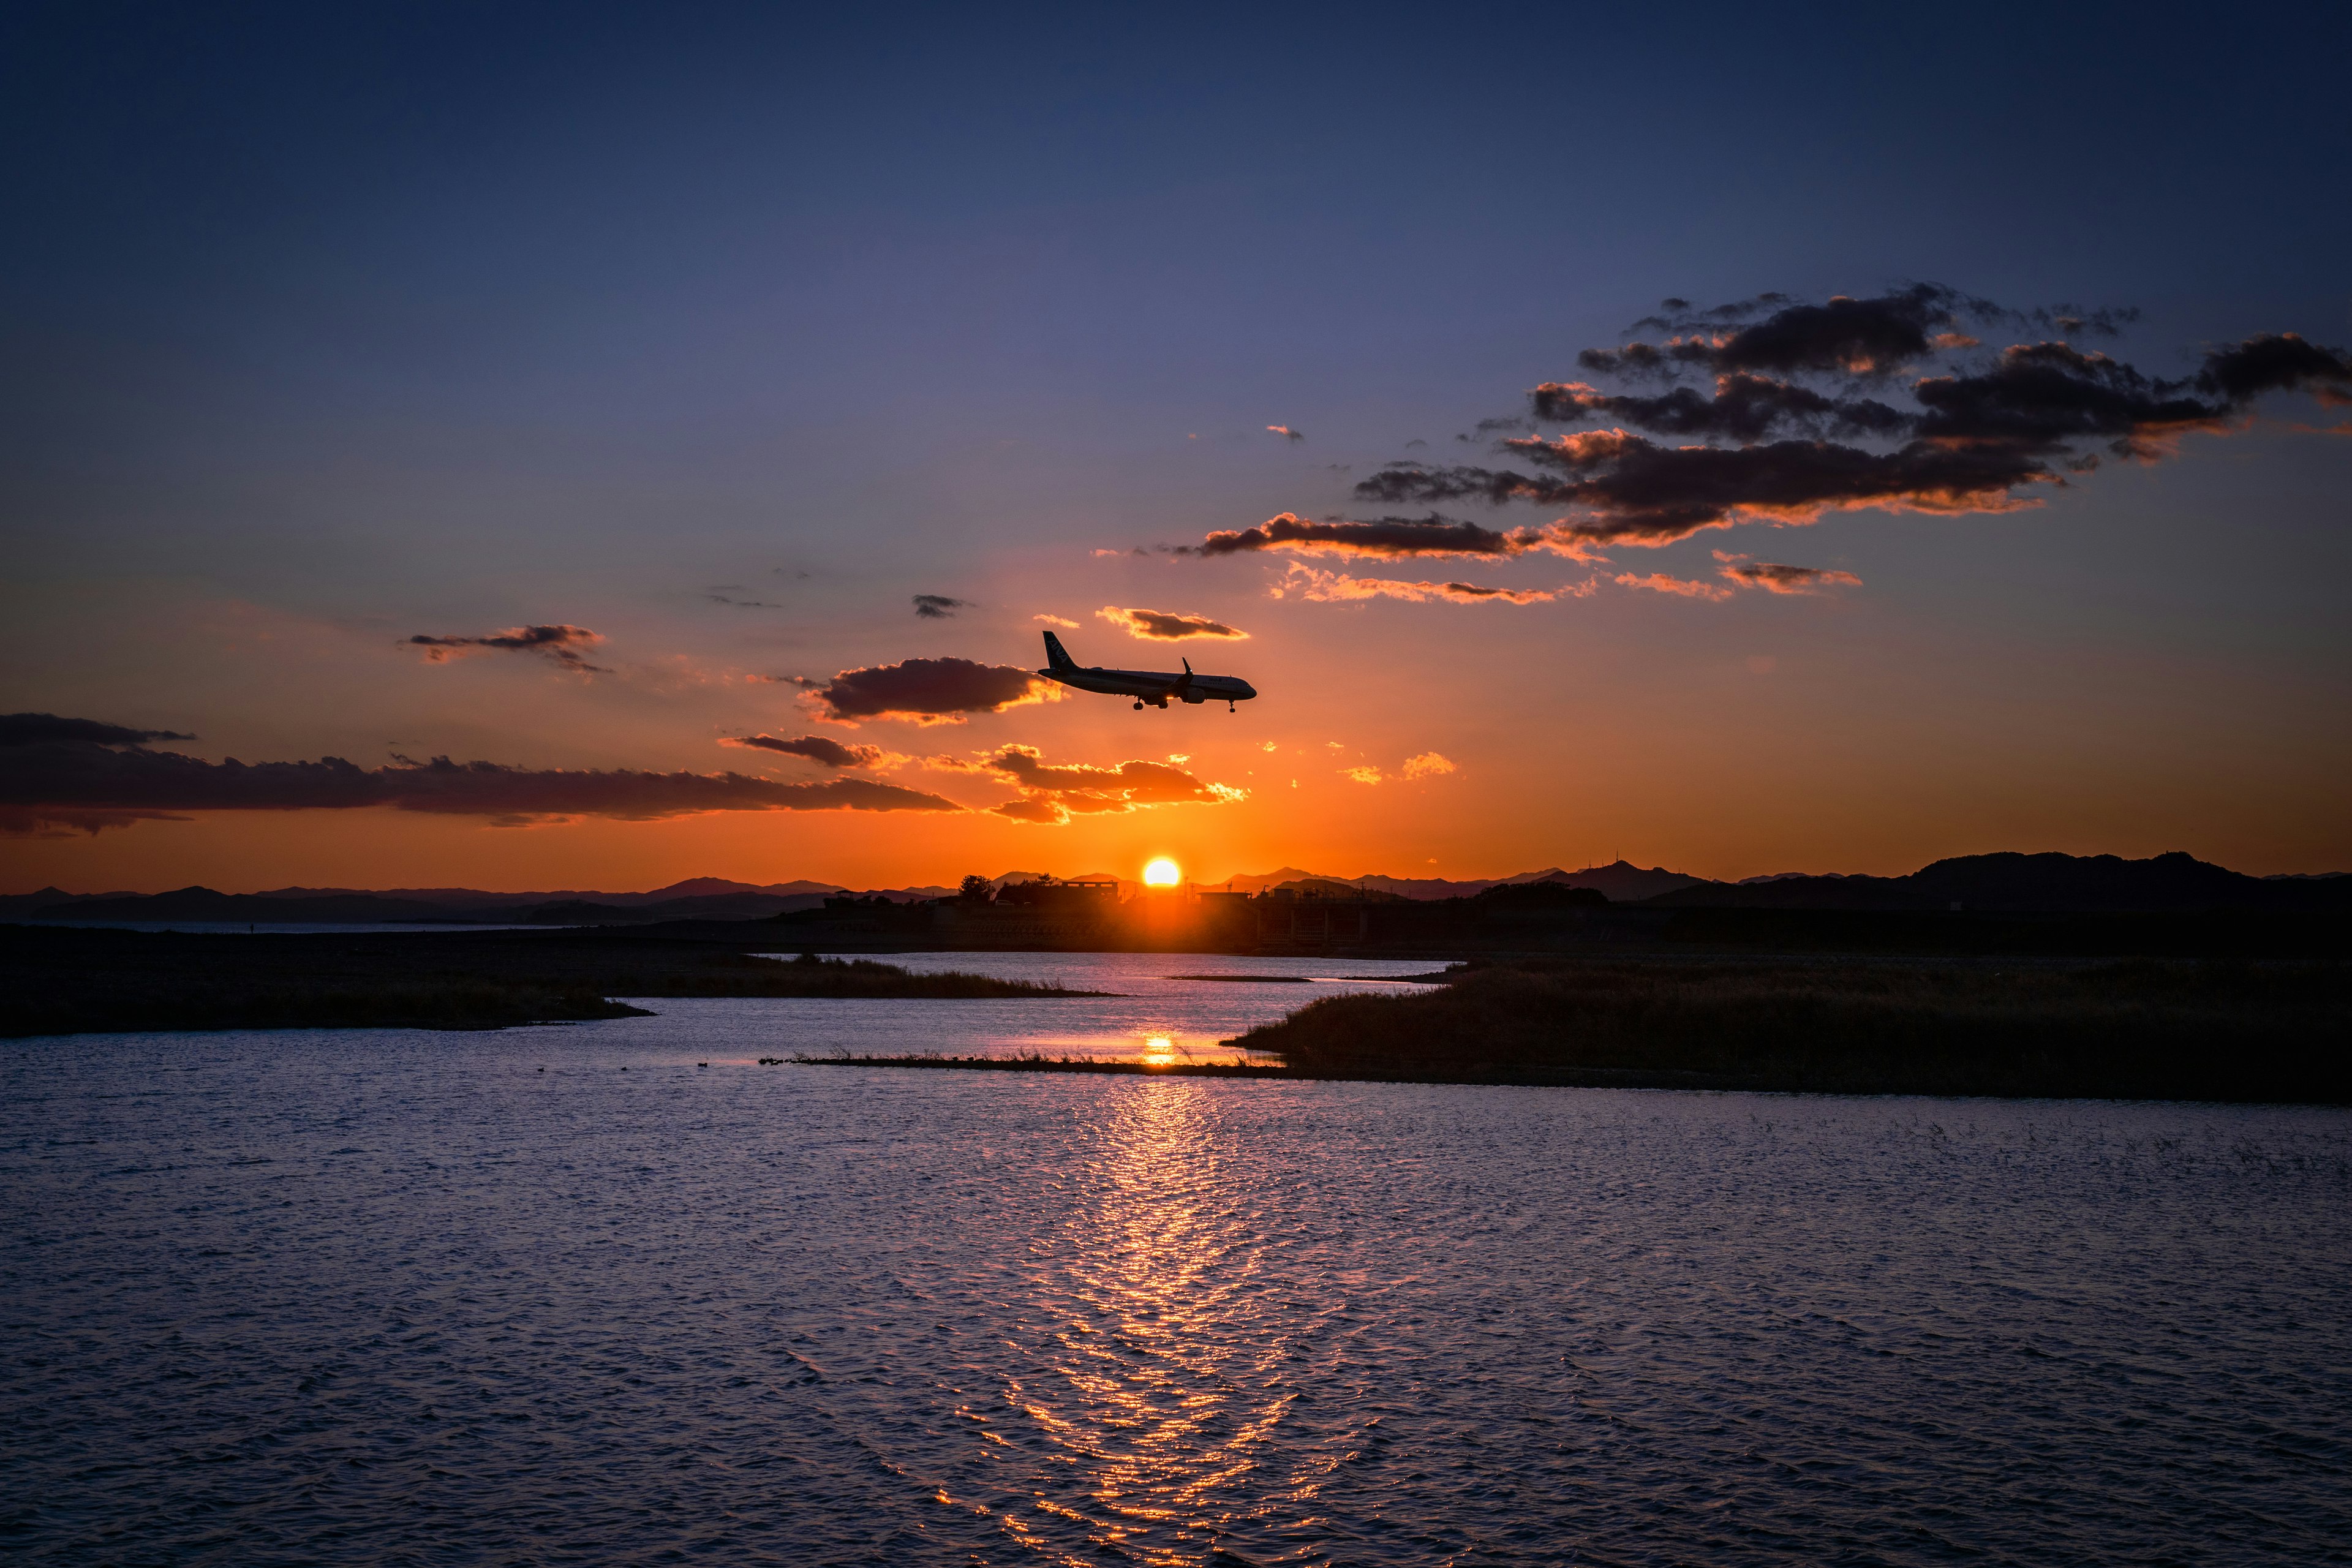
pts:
pixel 1057 657
pixel 1188 667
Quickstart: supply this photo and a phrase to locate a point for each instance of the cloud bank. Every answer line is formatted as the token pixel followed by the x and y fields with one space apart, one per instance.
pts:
pixel 85 785
pixel 1882 404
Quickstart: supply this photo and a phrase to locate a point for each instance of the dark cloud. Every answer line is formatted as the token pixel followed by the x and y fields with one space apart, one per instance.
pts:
pixel 84 785
pixel 1980 428
pixel 1166 626
pixel 1387 537
pixel 926 691
pixel 1634 492
pixel 815 748
pixel 1743 408
pixel 1052 793
pixel 2276 362
pixel 36 729
pixel 1287 432
pixel 938 606
pixel 560 643
pixel 1873 337
pixel 2039 398
pixel 718 598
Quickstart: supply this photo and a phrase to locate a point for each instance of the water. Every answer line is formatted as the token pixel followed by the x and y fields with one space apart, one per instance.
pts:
pixel 1155 1013
pixel 404 1297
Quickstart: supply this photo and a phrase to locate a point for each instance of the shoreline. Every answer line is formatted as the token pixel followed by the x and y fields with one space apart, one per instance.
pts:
pixel 1590 1078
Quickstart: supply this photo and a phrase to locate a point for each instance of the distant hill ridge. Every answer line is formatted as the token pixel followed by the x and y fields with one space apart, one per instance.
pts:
pixel 1996 882
pixel 2015 882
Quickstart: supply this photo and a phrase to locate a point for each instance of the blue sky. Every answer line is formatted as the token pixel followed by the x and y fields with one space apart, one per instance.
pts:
pixel 328 327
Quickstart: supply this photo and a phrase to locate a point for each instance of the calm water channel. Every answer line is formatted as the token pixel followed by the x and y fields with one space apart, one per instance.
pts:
pixel 407 1298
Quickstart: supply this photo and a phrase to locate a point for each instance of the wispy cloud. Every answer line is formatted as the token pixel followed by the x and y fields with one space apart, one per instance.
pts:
pixel 1331 587
pixel 1680 587
pixel 85 785
pixel 1287 432
pixel 1430 765
pixel 40 729
pixel 1777 577
pixel 1057 621
pixel 938 606
pixel 1165 625
pixel 561 642
pixel 820 749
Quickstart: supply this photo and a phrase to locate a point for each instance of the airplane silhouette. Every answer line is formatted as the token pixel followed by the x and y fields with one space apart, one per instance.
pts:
pixel 1143 685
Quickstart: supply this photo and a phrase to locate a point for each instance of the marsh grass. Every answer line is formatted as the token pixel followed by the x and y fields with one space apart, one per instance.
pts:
pixel 2138 1029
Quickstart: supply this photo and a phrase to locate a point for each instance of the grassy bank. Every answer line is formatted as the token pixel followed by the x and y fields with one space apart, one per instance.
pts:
pixel 2141 1029
pixel 59 981
pixel 1034 1063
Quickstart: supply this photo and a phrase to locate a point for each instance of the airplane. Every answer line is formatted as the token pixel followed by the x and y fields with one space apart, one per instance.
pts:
pixel 1143 685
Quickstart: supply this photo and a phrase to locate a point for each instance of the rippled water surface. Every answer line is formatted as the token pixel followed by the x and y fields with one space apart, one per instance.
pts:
pixel 394 1297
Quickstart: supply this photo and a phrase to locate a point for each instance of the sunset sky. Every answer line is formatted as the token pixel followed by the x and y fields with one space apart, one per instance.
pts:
pixel 585 391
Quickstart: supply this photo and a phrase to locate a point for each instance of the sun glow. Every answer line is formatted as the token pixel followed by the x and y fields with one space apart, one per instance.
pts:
pixel 1162 873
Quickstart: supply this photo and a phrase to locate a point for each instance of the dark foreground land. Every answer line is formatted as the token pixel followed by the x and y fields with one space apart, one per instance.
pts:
pixel 2207 1027
pixel 77 981
pixel 2142 1029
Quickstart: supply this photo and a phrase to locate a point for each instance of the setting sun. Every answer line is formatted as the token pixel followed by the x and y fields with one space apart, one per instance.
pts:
pixel 1162 873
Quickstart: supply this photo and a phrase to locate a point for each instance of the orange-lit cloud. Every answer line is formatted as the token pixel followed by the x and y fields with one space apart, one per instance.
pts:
pixel 1165 625
pixel 560 643
pixel 1058 621
pixel 1429 764
pixel 1681 588
pixel 1287 432
pixel 1052 793
pixel 1365 775
pixel 1330 587
pixel 925 691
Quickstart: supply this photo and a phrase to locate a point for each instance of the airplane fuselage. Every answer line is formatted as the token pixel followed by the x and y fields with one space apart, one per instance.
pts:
pixel 1152 686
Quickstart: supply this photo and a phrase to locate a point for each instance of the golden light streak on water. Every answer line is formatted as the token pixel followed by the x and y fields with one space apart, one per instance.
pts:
pixel 1169 1392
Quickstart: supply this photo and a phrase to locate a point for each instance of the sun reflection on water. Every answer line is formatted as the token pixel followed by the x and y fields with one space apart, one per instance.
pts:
pixel 1169 1381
